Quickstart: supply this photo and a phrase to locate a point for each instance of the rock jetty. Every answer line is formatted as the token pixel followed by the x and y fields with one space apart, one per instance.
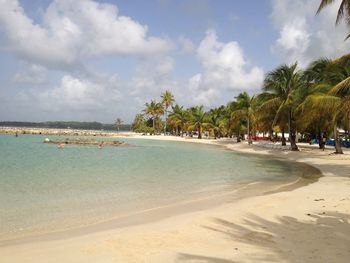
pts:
pixel 99 143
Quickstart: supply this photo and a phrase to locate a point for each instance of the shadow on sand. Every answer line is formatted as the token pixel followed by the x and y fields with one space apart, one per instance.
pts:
pixel 323 238
pixel 183 257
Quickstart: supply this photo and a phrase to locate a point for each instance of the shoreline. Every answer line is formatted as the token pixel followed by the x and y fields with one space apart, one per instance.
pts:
pixel 185 237
pixel 60 132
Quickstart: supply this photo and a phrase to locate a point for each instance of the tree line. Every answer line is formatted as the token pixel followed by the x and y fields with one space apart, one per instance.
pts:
pixel 313 103
pixel 69 124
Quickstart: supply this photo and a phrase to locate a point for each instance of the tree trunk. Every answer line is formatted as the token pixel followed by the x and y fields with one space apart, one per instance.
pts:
pixel 293 145
pixel 320 139
pixel 338 149
pixel 154 125
pixel 271 135
pixel 249 138
pixel 166 119
pixel 283 139
pixel 349 127
pixel 199 132
pixel 292 133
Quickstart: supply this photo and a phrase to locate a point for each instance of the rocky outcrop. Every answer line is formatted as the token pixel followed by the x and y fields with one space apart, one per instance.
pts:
pixel 99 143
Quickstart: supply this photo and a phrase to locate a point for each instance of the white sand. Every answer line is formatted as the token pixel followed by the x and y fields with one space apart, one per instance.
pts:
pixel 309 224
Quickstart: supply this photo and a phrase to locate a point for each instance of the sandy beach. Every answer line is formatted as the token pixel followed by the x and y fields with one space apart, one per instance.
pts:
pixel 307 224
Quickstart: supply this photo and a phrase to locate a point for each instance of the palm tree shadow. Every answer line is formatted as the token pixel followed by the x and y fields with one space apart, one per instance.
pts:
pixel 323 238
pixel 343 169
pixel 183 257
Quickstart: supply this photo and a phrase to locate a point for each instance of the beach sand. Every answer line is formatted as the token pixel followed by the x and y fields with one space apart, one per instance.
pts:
pixel 307 224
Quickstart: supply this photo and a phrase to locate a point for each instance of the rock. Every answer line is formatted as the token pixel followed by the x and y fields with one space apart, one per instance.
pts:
pixel 98 143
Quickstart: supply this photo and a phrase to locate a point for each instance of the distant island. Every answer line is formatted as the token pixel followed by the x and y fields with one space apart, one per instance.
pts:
pixel 66 125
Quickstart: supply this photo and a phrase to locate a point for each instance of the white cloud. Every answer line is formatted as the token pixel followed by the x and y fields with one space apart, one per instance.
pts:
pixel 32 75
pixel 78 93
pixel 198 95
pixel 294 36
pixel 72 30
pixel 153 76
pixel 186 45
pixel 224 68
pixel 303 36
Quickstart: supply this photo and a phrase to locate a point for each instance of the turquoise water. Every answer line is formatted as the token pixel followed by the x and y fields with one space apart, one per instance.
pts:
pixel 45 189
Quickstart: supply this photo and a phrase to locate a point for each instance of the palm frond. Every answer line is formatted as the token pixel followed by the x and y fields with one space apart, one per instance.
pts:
pixel 323 4
pixel 343 60
pixel 342 88
pixel 340 14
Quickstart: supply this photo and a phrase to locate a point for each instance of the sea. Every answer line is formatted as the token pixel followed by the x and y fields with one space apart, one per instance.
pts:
pixel 45 189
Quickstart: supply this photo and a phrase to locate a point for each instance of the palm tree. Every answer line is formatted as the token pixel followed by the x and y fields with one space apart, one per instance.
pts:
pixel 342 91
pixel 244 111
pixel 329 98
pixel 280 87
pixel 198 120
pixel 216 121
pixel 153 109
pixel 138 123
pixel 234 122
pixel 178 118
pixel 319 77
pixel 343 11
pixel 118 123
pixel 324 105
pixel 167 100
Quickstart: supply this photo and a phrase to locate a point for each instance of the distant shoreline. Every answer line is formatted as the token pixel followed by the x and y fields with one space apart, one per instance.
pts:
pixel 59 131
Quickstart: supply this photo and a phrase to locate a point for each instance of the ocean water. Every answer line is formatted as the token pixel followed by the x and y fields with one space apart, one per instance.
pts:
pixel 44 189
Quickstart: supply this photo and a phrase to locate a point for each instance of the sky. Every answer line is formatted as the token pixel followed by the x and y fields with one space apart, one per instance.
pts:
pixel 96 60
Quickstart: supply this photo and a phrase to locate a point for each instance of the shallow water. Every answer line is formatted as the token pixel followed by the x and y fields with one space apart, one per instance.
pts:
pixel 45 189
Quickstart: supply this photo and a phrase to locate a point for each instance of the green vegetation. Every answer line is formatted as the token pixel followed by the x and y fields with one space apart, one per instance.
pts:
pixel 167 100
pixel 310 103
pixel 66 124
pixel 118 123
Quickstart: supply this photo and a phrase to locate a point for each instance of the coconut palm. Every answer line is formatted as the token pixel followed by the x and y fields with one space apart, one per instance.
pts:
pixel 177 118
pixel 318 71
pixel 319 77
pixel 339 78
pixel 325 105
pixel 198 120
pixel 234 122
pixel 329 98
pixel 281 86
pixel 342 91
pixel 167 100
pixel 138 123
pixel 343 11
pixel 118 123
pixel 153 110
pixel 244 111
pixel 216 121
pixel 264 116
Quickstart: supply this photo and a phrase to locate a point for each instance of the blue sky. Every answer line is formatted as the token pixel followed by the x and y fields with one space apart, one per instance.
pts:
pixel 97 60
